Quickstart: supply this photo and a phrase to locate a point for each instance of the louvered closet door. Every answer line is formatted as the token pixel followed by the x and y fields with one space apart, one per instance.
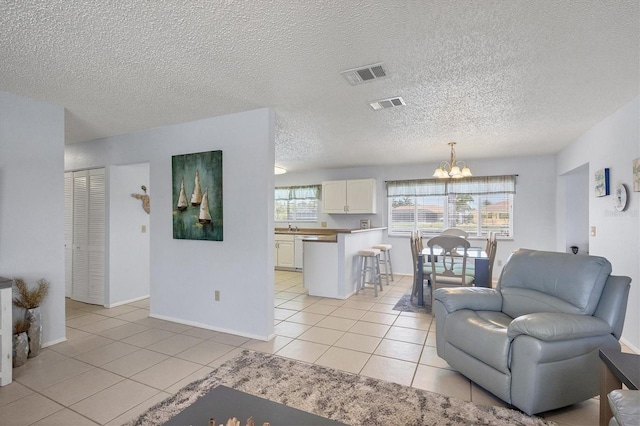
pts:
pixel 88 236
pixel 68 233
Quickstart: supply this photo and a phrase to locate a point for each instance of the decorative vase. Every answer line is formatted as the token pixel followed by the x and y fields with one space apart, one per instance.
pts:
pixel 20 349
pixel 34 317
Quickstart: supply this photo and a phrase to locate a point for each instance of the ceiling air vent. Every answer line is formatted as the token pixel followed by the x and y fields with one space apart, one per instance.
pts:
pixel 387 103
pixel 365 73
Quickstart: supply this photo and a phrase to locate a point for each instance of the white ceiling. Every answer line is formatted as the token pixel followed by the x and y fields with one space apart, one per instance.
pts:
pixel 503 78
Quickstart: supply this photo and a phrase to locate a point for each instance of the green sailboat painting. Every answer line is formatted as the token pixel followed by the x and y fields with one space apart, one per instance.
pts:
pixel 198 217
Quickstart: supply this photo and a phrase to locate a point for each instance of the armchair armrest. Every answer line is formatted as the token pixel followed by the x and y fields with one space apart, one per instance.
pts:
pixel 474 298
pixel 553 326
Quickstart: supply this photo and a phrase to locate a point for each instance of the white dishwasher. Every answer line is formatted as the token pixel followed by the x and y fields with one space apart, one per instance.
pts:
pixel 298 250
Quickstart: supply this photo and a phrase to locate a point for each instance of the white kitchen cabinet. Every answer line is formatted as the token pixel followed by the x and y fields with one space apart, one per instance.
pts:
pixel 357 196
pixel 284 255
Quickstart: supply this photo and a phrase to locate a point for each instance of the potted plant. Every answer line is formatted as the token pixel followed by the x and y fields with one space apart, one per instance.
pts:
pixel 30 301
pixel 20 343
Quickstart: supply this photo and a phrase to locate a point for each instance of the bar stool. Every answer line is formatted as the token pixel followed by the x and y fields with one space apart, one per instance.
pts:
pixel 369 261
pixel 388 269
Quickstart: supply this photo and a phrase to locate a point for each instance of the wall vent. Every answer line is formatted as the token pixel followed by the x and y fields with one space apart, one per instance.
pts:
pixel 387 103
pixel 364 74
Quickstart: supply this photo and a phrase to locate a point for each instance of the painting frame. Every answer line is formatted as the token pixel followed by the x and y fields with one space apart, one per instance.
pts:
pixel 602 182
pixel 197 196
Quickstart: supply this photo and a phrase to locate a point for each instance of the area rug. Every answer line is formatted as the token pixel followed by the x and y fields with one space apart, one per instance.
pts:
pixel 348 398
pixel 406 305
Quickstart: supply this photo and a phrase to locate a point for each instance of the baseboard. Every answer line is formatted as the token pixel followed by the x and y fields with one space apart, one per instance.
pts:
pixel 209 327
pixel 113 305
pixel 54 342
pixel 630 346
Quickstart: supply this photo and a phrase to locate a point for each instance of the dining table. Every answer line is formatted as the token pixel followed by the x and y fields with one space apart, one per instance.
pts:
pixel 481 262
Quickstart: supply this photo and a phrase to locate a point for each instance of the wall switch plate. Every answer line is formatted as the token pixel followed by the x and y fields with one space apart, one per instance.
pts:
pixel 217 295
pixel 143 229
pixel 499 262
pixel 593 231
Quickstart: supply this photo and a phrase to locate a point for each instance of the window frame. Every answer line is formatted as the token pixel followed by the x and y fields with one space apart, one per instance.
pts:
pixel 294 195
pixel 480 188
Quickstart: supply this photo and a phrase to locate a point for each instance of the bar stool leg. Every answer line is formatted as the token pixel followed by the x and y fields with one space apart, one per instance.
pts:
pixel 388 258
pixel 378 274
pixel 372 273
pixel 385 261
pixel 359 281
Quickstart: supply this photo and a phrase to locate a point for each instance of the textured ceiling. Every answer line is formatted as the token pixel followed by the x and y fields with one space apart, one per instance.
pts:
pixel 503 78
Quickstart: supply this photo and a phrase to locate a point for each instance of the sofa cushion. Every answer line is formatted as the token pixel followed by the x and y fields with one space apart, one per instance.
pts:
pixel 481 334
pixel 576 281
pixel 625 405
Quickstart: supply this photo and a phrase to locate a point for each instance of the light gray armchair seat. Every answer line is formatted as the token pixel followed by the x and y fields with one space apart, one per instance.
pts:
pixel 533 341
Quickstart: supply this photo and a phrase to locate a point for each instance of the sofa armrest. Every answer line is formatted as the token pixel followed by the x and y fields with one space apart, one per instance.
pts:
pixel 553 326
pixel 474 298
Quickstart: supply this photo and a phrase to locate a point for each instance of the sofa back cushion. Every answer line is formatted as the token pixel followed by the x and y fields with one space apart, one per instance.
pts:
pixel 540 281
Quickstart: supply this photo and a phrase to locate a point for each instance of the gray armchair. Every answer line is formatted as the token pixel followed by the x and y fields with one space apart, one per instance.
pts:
pixel 533 340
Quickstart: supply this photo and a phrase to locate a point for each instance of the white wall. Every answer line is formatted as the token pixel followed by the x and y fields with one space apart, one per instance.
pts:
pixel 185 273
pixel 613 143
pixel 534 201
pixel 32 201
pixel 577 210
pixel 129 247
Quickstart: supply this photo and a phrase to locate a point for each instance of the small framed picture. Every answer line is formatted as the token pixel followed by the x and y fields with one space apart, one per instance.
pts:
pixel 602 182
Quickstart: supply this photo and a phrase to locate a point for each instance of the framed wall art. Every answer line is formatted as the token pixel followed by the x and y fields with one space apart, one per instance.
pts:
pixel 197 196
pixel 602 182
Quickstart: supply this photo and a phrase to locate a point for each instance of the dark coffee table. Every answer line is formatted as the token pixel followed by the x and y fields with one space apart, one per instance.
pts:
pixel 223 403
pixel 616 368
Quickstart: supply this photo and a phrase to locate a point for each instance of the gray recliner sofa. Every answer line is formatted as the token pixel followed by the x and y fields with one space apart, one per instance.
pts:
pixel 533 341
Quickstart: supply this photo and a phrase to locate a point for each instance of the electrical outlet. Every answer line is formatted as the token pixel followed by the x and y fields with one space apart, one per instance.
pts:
pixel 217 295
pixel 143 229
pixel 324 224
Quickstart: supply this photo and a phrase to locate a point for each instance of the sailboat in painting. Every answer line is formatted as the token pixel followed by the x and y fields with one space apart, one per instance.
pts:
pixel 205 216
pixel 182 198
pixel 196 197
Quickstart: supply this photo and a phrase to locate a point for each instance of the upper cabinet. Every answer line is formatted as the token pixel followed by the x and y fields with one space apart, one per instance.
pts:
pixel 356 196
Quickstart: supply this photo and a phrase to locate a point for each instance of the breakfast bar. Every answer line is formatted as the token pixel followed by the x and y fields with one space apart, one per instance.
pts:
pixel 330 268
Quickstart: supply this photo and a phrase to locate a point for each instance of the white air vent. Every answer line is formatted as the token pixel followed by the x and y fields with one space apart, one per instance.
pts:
pixel 387 103
pixel 365 73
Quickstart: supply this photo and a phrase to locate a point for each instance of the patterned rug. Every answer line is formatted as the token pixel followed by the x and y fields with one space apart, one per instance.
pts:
pixel 406 305
pixel 348 398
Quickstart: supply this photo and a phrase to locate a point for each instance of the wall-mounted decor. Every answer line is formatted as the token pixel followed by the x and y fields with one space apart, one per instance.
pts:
pixel 636 175
pixel 145 199
pixel 197 196
pixel 602 182
pixel 620 197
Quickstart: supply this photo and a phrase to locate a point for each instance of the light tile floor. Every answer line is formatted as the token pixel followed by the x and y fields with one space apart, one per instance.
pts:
pixel 118 362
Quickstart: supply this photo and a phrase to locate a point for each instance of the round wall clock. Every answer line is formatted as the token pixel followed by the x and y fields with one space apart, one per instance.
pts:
pixel 620 197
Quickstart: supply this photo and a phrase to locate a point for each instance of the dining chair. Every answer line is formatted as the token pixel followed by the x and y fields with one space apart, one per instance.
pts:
pixel 449 264
pixel 457 232
pixel 491 252
pixel 416 249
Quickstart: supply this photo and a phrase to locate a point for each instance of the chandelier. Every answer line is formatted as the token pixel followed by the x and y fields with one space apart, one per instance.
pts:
pixel 451 169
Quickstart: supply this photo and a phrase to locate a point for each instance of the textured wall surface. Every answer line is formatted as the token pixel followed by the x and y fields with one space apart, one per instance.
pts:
pixel 502 78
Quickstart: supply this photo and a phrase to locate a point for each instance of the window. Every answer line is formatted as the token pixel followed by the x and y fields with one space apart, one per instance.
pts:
pixel 478 205
pixel 297 203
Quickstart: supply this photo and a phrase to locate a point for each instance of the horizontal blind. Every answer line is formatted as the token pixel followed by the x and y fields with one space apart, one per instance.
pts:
pixel 297 192
pixel 472 185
